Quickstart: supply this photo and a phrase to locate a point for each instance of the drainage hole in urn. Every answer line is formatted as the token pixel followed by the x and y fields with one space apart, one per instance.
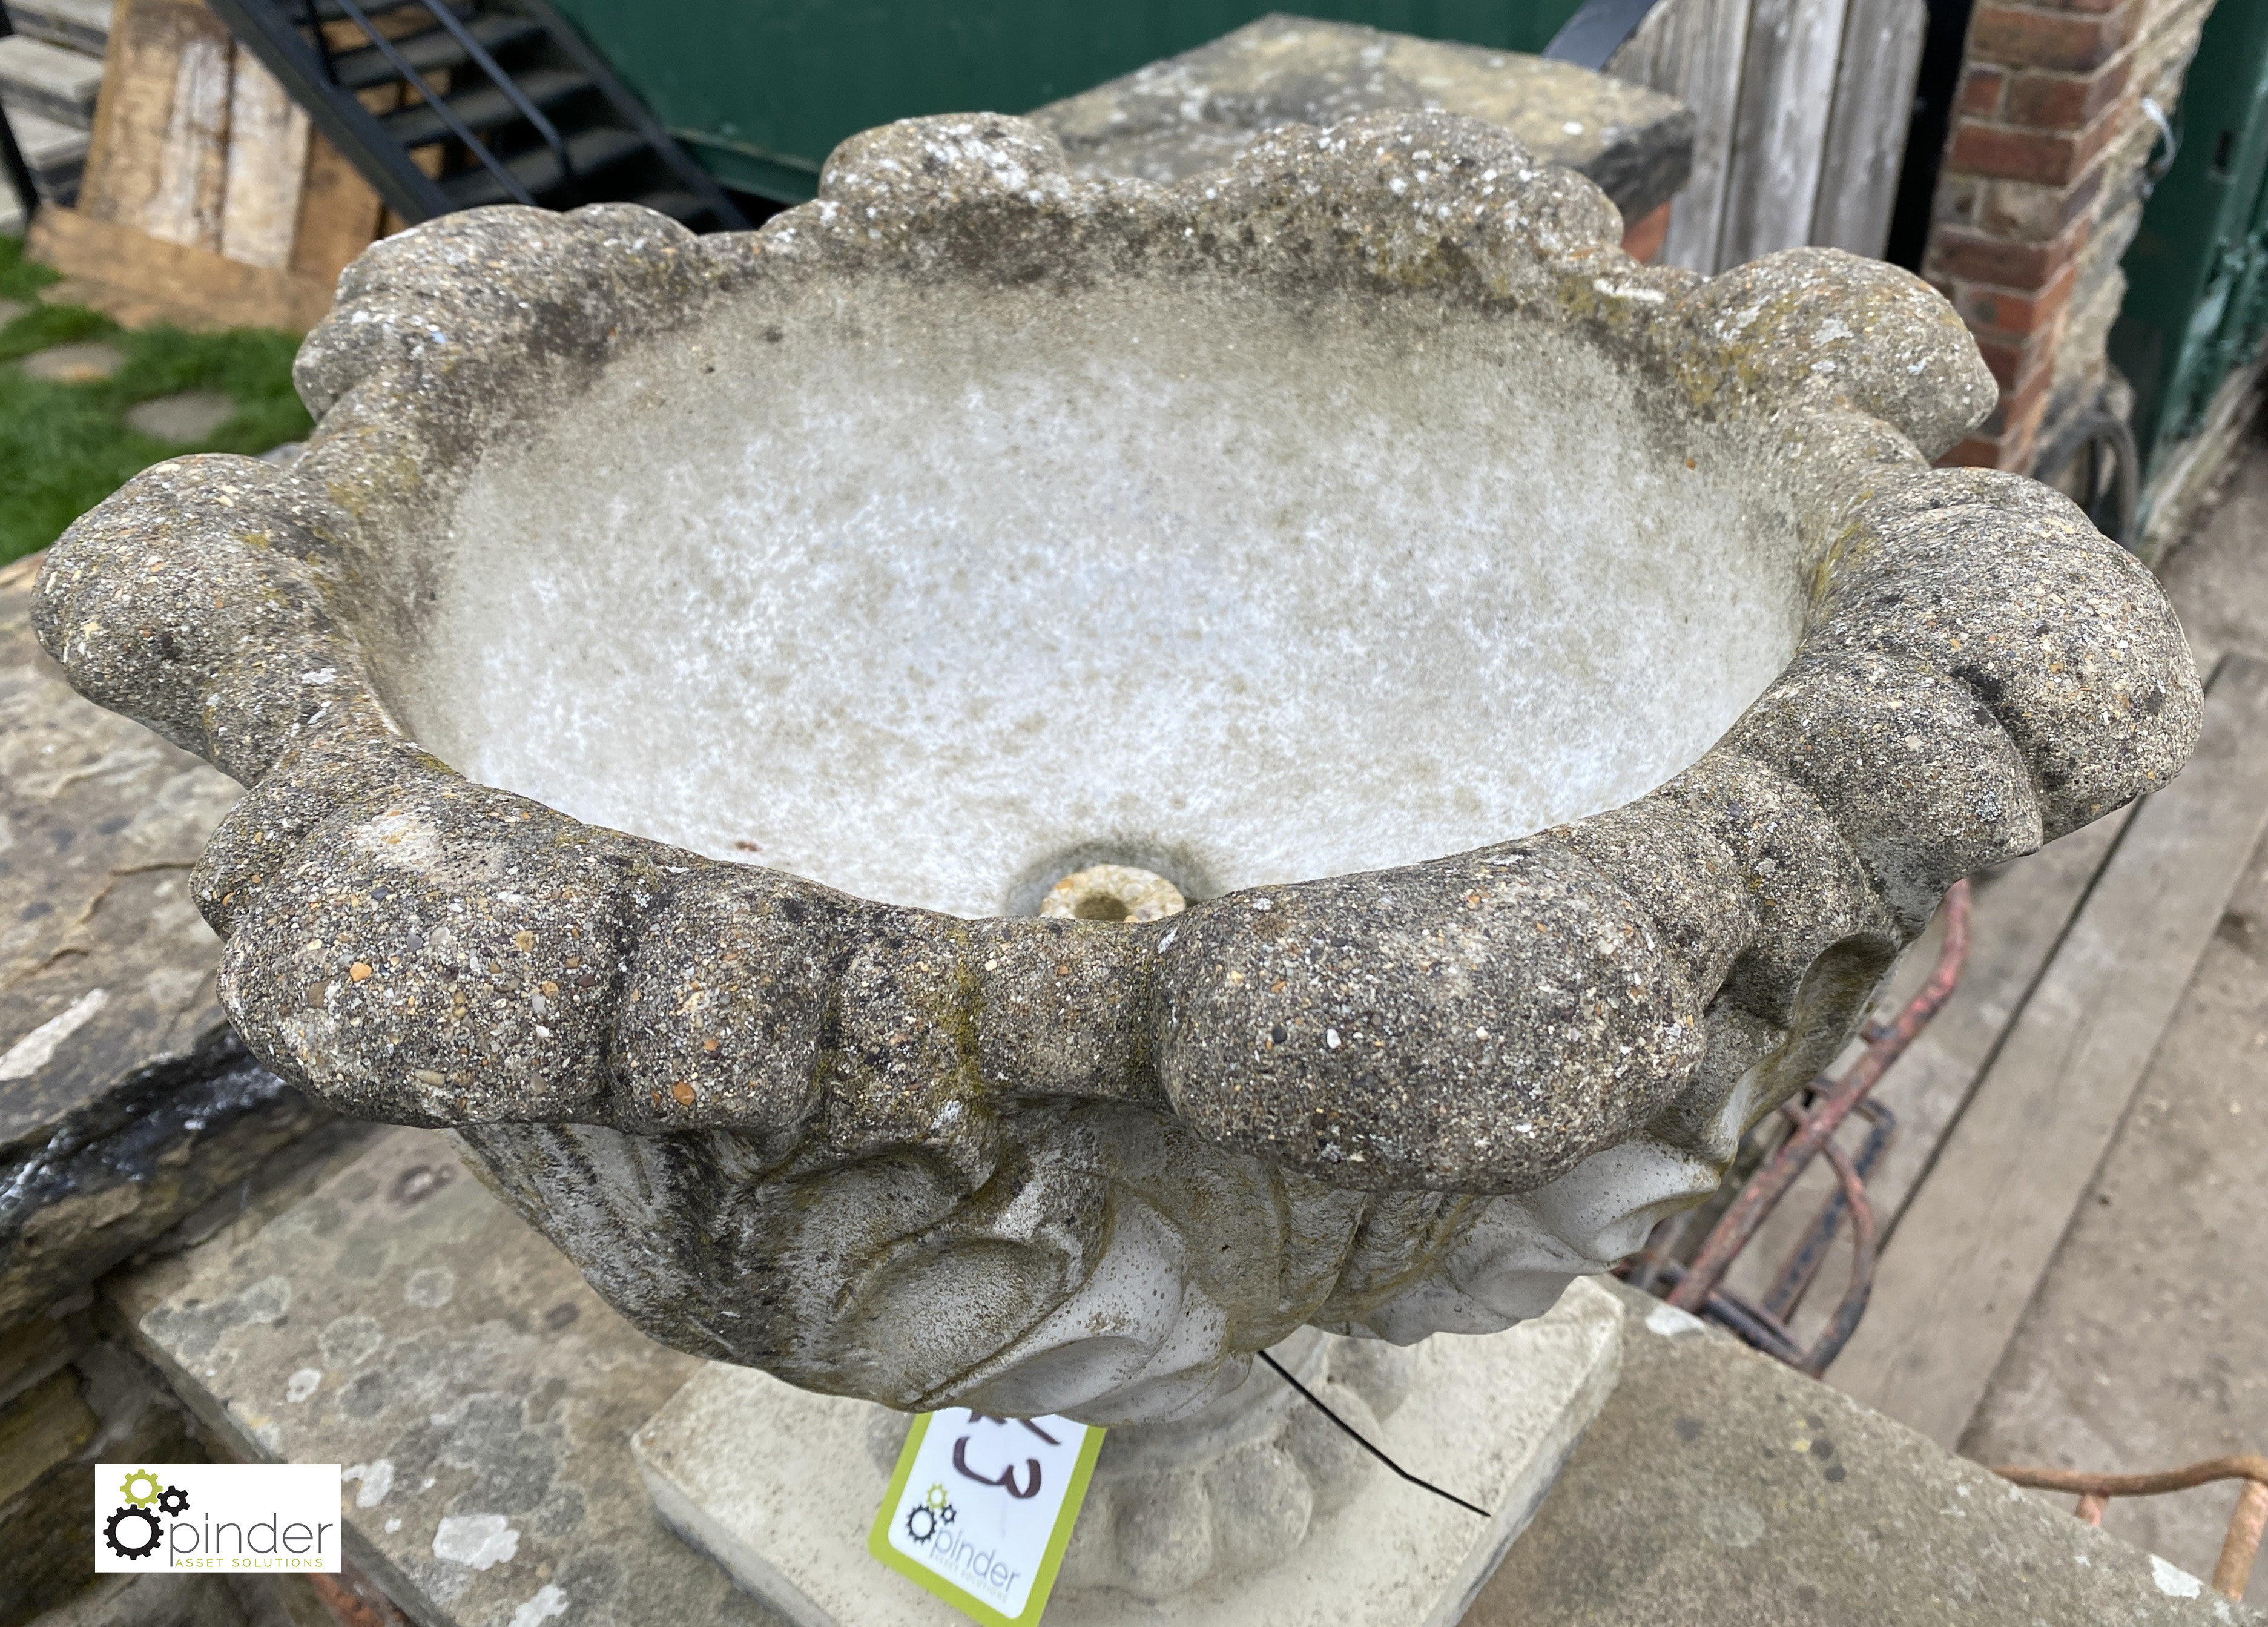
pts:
pixel 1113 893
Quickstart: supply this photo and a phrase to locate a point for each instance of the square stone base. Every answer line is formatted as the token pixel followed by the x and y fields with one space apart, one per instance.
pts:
pixel 779 1487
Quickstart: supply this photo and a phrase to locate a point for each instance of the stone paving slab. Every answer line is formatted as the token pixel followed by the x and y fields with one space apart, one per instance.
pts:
pixel 183 416
pixel 126 1101
pixel 1721 1489
pixel 1198 111
pixel 81 24
pixel 399 1321
pixel 778 1486
pixel 80 362
pixel 48 79
pixel 2146 1345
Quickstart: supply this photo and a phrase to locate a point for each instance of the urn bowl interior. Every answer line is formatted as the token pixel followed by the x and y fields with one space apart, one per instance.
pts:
pixel 935 592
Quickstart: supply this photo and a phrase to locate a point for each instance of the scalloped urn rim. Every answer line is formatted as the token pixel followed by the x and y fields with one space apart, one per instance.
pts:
pixel 1978 670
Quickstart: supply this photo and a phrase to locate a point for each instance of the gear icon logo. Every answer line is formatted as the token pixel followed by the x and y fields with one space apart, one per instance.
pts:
pixel 132 1545
pixel 173 1500
pixel 925 1519
pixel 140 1477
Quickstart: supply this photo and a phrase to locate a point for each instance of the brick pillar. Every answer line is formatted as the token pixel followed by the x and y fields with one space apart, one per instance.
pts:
pixel 2040 193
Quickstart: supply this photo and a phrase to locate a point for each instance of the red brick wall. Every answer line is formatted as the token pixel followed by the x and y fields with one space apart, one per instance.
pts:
pixel 2040 193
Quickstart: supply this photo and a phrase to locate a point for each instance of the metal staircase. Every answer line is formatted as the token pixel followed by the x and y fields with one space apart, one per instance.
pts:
pixel 446 105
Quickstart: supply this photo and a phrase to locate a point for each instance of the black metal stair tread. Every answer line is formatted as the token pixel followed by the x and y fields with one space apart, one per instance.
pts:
pixel 332 11
pixel 484 107
pixel 682 207
pixel 519 75
pixel 538 171
pixel 434 50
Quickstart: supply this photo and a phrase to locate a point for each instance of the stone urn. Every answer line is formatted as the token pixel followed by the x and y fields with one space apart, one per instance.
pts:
pixel 679 669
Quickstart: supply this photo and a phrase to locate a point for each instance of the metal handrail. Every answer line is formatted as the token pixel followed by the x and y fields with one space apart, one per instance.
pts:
pixel 440 103
pixel 313 11
pixel 2245 1526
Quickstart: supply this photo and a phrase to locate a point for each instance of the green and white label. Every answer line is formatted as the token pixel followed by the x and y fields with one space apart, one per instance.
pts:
pixel 980 1509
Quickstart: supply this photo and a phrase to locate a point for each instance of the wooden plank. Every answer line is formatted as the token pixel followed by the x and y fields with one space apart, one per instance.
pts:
pixel 340 215
pixel 1693 50
pixel 129 112
pixel 267 165
pixel 192 161
pixel 1978 1236
pixel 1866 133
pixel 158 158
pixel 139 279
pixel 1779 136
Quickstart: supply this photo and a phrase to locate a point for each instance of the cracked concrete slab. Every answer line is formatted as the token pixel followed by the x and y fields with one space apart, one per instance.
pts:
pixel 400 1321
pixel 1719 1486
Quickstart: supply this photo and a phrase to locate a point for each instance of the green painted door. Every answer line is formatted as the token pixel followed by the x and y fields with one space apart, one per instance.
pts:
pixel 2197 272
pixel 762 90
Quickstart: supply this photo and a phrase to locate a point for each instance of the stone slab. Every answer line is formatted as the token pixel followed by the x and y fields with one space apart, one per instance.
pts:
pixel 79 24
pixel 2142 1348
pixel 1977 1237
pixel 1721 1489
pixel 777 1486
pixel 126 1102
pixel 398 1319
pixel 80 362
pixel 2021 910
pixel 55 152
pixel 184 416
pixel 1195 112
pixel 48 79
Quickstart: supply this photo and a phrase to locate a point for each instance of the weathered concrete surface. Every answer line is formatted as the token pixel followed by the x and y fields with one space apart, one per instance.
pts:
pixel 1195 111
pixel 1720 1487
pixel 398 1319
pixel 777 1485
pixel 2146 1345
pixel 125 1100
pixel 488 1397
pixel 1926 671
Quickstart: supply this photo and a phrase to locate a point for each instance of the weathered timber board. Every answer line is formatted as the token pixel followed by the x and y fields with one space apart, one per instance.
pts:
pixel 1866 141
pixel 1692 50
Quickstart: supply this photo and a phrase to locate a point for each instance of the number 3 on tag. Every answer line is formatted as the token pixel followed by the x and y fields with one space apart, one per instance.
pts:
pixel 980 1509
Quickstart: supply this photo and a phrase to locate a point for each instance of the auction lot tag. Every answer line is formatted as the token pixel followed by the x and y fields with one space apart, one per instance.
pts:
pixel 980 1509
pixel 232 1517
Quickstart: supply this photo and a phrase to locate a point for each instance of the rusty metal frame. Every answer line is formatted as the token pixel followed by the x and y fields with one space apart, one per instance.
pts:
pixel 1698 1285
pixel 2245 1526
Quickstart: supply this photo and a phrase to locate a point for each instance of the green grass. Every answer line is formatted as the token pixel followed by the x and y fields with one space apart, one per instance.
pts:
pixel 65 448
